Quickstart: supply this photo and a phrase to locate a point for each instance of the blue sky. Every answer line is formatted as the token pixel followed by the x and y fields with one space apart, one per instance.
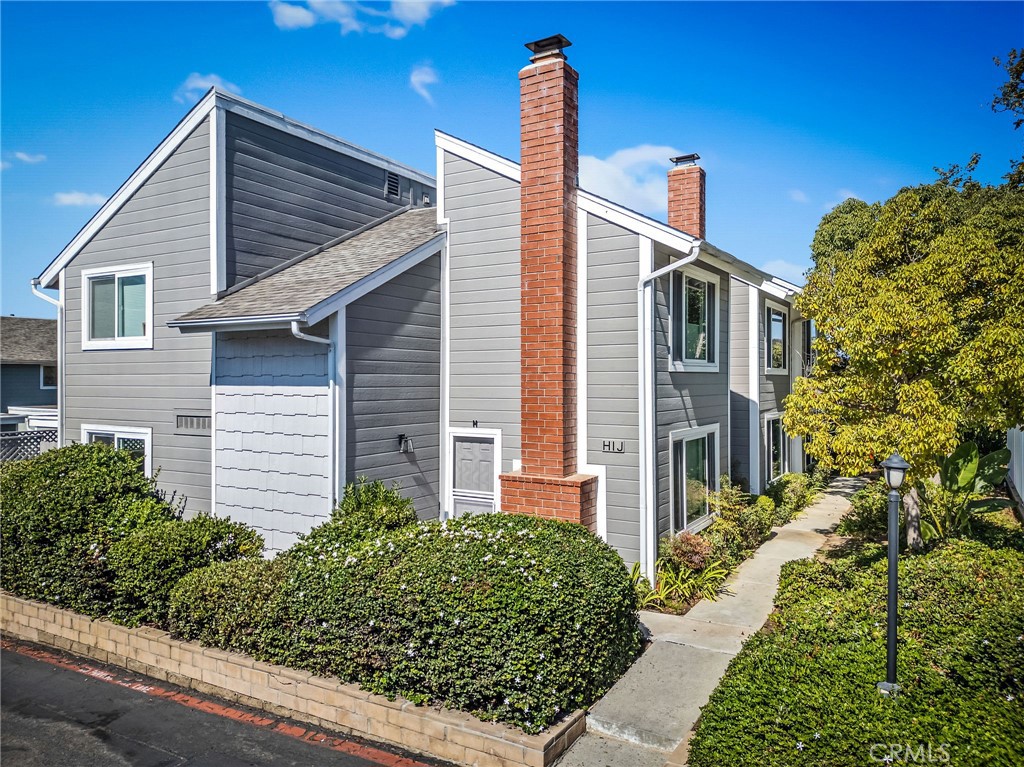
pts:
pixel 792 106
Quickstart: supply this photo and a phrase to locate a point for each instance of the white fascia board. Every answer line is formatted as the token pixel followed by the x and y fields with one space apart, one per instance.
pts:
pixel 500 165
pixel 274 119
pixel 237 323
pixel 149 166
pixel 374 280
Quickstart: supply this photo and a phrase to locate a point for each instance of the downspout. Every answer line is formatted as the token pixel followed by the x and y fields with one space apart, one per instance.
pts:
pixel 39 294
pixel 647 448
pixel 331 414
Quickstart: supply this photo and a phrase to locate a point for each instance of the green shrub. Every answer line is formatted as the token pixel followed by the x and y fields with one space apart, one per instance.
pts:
pixel 685 550
pixel 509 617
pixel 804 692
pixel 791 493
pixel 820 477
pixel 147 564
pixel 232 605
pixel 366 510
pixel 868 516
pixel 741 524
pixel 61 512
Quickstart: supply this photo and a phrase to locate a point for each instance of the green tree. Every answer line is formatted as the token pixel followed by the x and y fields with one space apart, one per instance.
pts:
pixel 919 304
pixel 1010 98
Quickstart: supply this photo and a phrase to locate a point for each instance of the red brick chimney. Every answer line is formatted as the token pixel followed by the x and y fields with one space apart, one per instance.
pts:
pixel 548 484
pixel 686 207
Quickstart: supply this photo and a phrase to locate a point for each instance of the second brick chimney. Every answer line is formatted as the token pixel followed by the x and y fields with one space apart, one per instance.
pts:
pixel 686 206
pixel 548 484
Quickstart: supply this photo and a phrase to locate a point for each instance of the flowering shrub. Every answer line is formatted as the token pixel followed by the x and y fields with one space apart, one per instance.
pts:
pixel 510 617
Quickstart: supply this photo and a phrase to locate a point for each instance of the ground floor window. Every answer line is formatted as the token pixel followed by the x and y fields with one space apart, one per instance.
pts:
pixel 694 473
pixel 136 440
pixel 775 453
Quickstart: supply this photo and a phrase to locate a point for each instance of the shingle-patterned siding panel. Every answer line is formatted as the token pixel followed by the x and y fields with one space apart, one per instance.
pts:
pixel 483 242
pixel 272 434
pixel 613 268
pixel 394 384
pixel 689 399
pixel 165 222
pixel 286 195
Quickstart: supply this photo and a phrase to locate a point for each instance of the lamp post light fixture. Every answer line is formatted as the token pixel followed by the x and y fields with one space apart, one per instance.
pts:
pixel 895 470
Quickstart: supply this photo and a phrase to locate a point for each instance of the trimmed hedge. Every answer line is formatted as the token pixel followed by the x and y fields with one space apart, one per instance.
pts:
pixel 509 617
pixel 83 528
pixel 803 691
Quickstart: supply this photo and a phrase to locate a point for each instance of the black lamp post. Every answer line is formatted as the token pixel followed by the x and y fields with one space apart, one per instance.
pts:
pixel 895 470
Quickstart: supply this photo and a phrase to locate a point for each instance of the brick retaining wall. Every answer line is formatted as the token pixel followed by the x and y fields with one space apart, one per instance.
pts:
pixel 327 703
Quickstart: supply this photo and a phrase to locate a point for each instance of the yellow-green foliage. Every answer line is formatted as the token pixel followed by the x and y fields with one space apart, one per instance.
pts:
pixel 919 305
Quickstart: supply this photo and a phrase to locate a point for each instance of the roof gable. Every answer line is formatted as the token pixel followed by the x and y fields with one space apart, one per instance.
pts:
pixel 28 340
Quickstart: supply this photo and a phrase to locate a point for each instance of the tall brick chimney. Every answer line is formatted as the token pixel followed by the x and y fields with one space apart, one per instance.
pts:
pixel 686 205
pixel 548 484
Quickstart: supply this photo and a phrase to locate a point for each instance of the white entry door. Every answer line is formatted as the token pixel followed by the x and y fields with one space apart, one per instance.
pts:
pixel 473 474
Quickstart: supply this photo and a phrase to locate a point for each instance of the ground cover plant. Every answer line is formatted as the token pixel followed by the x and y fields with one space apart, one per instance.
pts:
pixel 802 691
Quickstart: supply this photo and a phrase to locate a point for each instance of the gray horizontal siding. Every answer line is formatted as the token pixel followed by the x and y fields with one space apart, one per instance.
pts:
pixel 688 399
pixel 612 399
pixel 393 337
pixel 272 440
pixel 739 382
pixel 286 195
pixel 165 222
pixel 484 301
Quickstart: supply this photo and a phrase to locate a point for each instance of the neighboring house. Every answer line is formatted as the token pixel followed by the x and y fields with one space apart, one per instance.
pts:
pixel 525 346
pixel 28 372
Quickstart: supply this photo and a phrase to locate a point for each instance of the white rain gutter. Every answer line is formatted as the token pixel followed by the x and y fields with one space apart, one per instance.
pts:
pixel 332 428
pixel 647 451
pixel 38 293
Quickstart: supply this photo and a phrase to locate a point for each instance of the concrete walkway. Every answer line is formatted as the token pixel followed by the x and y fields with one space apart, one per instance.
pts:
pixel 646 719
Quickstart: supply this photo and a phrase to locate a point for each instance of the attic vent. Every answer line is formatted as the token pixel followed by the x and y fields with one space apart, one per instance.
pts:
pixel 186 423
pixel 391 186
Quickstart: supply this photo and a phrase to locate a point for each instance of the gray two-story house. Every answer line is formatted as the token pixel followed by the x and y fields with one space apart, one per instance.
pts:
pixel 265 313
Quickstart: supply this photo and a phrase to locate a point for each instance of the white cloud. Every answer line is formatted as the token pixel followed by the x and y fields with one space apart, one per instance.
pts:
pixel 196 85
pixel 288 16
pixel 635 177
pixel 842 195
pixel 392 21
pixel 78 198
pixel 32 159
pixel 787 270
pixel 421 76
pixel 798 195
pixel 4 165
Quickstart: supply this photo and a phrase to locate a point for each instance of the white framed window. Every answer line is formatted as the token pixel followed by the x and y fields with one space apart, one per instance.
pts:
pixel 47 376
pixel 776 338
pixel 693 325
pixel 117 307
pixel 776 455
pixel 810 332
pixel 693 473
pixel 137 440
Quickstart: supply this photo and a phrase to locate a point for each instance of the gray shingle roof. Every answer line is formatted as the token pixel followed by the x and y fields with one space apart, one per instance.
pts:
pixel 304 282
pixel 28 340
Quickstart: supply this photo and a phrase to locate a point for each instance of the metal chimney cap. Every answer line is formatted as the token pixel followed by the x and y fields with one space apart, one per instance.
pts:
pixel 548 46
pixel 685 159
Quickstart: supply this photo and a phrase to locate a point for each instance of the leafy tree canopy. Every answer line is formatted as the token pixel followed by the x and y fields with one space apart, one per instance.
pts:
pixel 919 305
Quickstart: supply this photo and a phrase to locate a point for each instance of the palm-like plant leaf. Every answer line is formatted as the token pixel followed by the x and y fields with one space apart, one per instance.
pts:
pixel 992 470
pixel 959 469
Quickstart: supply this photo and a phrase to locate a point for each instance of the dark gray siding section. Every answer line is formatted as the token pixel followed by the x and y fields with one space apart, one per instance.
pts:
pixel 287 195
pixel 739 381
pixel 166 223
pixel 20 386
pixel 484 288
pixel 394 384
pixel 612 400
pixel 273 432
pixel 776 387
pixel 688 399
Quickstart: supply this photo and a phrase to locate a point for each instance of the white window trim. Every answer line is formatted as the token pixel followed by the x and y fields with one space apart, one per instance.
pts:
pixel 771 416
pixel 133 432
pixel 42 377
pixel 449 480
pixel 714 316
pixel 783 371
pixel 683 435
pixel 134 342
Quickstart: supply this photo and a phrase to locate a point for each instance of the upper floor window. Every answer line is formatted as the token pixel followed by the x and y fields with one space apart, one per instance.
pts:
pixel 810 333
pixel 693 327
pixel 117 307
pixel 776 334
pixel 47 376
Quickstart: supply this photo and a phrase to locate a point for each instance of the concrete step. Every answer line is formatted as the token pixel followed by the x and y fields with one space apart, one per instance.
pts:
pixel 593 750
